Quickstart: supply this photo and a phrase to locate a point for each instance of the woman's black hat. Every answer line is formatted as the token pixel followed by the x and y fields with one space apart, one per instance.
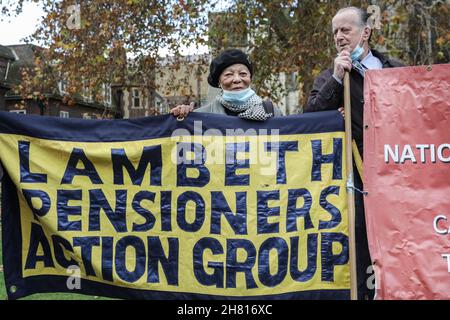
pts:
pixel 223 61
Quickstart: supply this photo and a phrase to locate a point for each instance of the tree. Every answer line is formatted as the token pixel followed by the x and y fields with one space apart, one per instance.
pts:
pixel 101 41
pixel 288 36
pixel 282 36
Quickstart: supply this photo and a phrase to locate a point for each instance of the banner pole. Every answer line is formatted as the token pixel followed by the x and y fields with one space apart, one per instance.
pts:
pixel 350 187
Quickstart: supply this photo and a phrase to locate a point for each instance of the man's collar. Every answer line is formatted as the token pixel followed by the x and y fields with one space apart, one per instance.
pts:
pixel 378 55
pixel 368 56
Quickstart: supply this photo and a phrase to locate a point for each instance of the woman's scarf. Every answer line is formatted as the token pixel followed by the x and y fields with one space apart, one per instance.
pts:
pixel 252 109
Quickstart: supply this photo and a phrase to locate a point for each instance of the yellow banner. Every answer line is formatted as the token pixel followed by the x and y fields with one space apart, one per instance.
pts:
pixel 239 215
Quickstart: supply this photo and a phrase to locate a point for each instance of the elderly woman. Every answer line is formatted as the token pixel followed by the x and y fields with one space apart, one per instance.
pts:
pixel 232 71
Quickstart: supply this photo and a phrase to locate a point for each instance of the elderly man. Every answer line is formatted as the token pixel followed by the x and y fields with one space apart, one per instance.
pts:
pixel 351 38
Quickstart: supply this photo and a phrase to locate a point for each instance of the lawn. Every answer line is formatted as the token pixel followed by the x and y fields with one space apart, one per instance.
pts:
pixel 41 296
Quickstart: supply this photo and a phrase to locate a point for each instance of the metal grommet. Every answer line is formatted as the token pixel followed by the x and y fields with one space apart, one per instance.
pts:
pixel 180 118
pixel 366 126
pixel 429 67
pixel 13 289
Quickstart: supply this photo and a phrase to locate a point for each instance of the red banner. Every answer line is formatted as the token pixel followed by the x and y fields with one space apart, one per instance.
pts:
pixel 407 176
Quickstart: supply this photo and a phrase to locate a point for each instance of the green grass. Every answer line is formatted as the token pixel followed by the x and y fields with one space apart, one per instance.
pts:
pixel 41 296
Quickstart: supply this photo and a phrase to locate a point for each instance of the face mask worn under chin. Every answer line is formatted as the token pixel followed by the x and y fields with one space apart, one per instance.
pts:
pixel 238 97
pixel 357 52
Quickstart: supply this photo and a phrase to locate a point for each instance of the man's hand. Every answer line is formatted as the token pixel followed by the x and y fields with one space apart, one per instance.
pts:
pixel 182 110
pixel 341 64
pixel 342 111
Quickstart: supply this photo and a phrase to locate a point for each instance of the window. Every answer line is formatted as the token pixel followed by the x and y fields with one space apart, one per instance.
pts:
pixel 64 114
pixel 21 111
pixel 158 106
pixel 136 98
pixel 62 84
pixel 86 90
pixel 293 81
pixel 107 93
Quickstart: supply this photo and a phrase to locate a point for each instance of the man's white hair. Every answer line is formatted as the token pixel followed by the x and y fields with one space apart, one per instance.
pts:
pixel 362 15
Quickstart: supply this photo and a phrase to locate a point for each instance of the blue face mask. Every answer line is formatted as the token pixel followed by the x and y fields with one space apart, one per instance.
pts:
pixel 238 97
pixel 357 52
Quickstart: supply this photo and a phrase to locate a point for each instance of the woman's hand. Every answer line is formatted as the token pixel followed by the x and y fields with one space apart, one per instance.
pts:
pixel 182 110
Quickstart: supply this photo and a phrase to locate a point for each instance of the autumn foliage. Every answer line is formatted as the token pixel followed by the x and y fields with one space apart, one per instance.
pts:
pixel 121 41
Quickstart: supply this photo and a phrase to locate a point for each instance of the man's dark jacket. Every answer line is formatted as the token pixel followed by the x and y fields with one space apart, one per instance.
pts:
pixel 328 94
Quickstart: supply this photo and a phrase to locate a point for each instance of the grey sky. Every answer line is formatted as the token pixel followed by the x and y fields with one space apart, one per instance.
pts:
pixel 13 29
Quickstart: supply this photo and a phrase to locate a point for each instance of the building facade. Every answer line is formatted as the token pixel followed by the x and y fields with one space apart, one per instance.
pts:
pixel 55 101
pixel 6 59
pixel 136 101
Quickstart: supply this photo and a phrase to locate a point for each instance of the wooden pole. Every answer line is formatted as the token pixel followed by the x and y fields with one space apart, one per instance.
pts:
pixel 350 189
